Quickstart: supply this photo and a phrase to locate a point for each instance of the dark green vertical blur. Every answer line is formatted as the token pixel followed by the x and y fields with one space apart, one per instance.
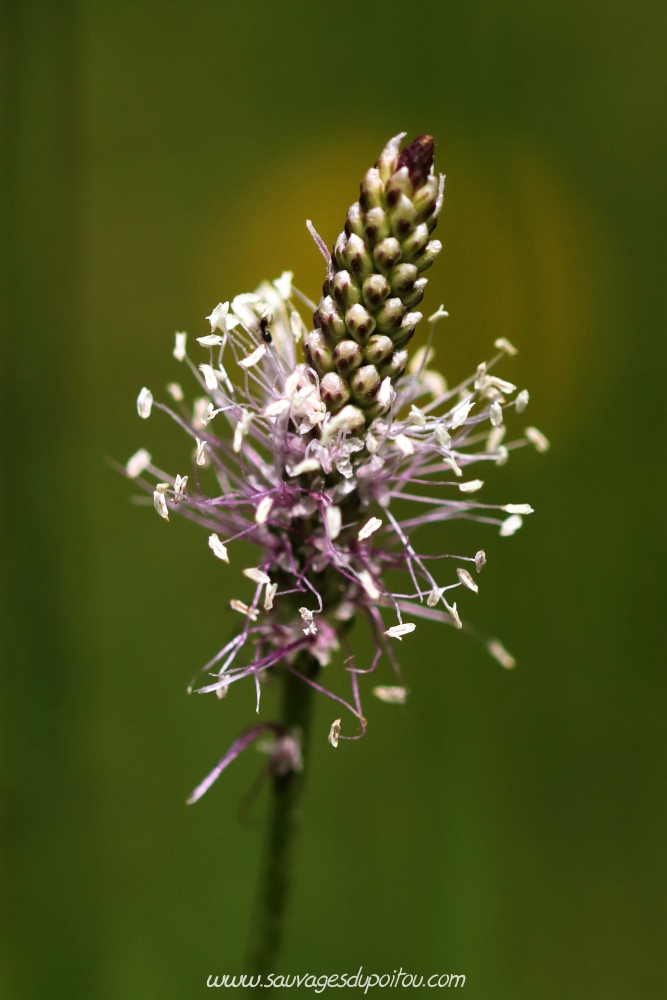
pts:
pixel 160 157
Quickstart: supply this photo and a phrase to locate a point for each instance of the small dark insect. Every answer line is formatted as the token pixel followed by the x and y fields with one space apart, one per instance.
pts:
pixel 266 334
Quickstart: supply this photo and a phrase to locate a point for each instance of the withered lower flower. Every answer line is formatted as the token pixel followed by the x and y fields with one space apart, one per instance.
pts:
pixel 315 448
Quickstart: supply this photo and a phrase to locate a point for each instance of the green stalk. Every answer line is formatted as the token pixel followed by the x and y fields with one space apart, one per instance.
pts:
pixel 284 820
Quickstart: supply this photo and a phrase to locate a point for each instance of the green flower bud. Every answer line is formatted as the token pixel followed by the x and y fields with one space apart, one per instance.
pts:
pixel 406 329
pixel 376 225
pixel 395 365
pixel 386 254
pixel 355 220
pixel 349 419
pixel 360 323
pixel 415 243
pixel 365 384
pixel 403 217
pixel 378 349
pixel 403 277
pixel 390 316
pixel 334 391
pixel 345 290
pixel 357 257
pixel 347 356
pixel 424 261
pixel 425 199
pixel 397 185
pixel 375 290
pixel 413 298
pixel 330 320
pixel 338 252
pixel 318 353
pixel 372 190
pixel 389 158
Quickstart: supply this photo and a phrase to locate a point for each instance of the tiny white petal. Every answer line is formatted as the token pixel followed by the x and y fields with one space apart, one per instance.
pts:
pixel 253 358
pixel 334 733
pixel 369 528
pixel 368 583
pixel 455 615
pixel 416 416
pixel 386 394
pixel 499 653
pixel 200 456
pixel 263 510
pixel 440 313
pixel 333 520
pixel 179 347
pixel 210 378
pixel 521 401
pixel 518 508
pixel 283 284
pixel 297 326
pixel 471 486
pixel 442 436
pixel 137 463
pixel 466 579
pixel 496 414
pixel 175 391
pixel 480 560
pixel 511 525
pixel 404 444
pixel 218 317
pixel 460 414
pixel 243 609
pixel 398 631
pixel 434 596
pixel 537 438
pixel 391 695
pixel 161 504
pixel 277 408
pixel 307 465
pixel 503 344
pixel 211 340
pixel 144 403
pixel 179 486
pixel 269 595
pixel 257 575
pixel 219 550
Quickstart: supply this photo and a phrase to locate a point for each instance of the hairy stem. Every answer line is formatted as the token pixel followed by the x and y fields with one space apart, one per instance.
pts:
pixel 284 819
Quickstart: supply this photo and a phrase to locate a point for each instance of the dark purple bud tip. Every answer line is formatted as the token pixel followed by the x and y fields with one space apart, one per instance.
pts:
pixel 418 158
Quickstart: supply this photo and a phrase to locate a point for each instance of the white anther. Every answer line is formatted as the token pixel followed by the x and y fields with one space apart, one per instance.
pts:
pixel 471 486
pixel 269 595
pixel 263 510
pixel 200 455
pixel 499 653
pixel 241 429
pixel 480 377
pixel 137 463
pixel 480 560
pixel 369 528
pixel 460 414
pixel 387 394
pixel 391 695
pixel 235 605
pixel 537 438
pixel 521 401
pixel 398 631
pixel 518 508
pixel 404 444
pixel 161 504
pixel 210 378
pixel 283 284
pixel 434 596
pixel 496 414
pixel 503 344
pixel 175 392
pixel 179 346
pixel 511 525
pixel 179 487
pixel 334 733
pixel 218 549
pixel 253 358
pixel 333 520
pixel 368 583
pixel 144 403
pixel 416 416
pixel 442 436
pixel 257 575
pixel 466 579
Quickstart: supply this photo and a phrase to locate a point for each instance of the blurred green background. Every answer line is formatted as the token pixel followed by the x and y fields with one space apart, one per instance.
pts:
pixel 160 157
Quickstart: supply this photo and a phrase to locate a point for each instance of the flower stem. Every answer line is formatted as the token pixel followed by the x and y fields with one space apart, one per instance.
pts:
pixel 284 819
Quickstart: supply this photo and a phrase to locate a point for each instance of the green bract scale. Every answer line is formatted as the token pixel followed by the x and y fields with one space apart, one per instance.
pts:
pixel 367 314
